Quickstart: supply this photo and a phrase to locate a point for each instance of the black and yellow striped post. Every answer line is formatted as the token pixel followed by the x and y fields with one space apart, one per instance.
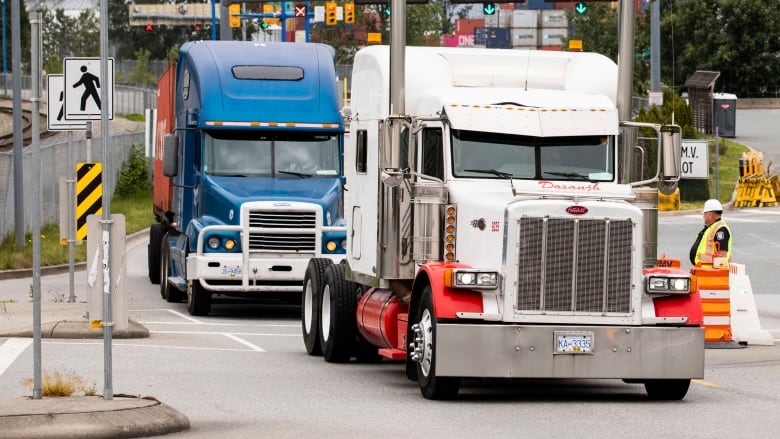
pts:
pixel 89 195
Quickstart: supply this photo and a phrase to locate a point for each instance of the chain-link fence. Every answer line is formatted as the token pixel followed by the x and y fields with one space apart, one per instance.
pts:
pixel 53 158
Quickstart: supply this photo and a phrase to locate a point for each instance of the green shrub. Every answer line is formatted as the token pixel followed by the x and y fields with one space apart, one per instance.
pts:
pixel 134 177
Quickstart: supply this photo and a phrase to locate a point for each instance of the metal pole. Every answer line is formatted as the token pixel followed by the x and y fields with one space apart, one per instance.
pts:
pixel 655 46
pixel 37 204
pixel 213 20
pixel 108 323
pixel 16 67
pixel 5 57
pixel 625 85
pixel 398 57
pixel 717 165
pixel 71 217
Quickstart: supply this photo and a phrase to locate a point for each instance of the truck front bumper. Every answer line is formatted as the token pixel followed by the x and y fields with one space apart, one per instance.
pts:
pixel 221 272
pixel 523 351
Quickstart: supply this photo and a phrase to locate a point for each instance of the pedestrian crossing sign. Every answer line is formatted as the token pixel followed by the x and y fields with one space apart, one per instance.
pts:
pixel 84 87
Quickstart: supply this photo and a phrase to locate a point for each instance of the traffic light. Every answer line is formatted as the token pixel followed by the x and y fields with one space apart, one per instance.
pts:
pixel 349 13
pixel 234 9
pixel 330 13
pixel 149 27
pixel 489 8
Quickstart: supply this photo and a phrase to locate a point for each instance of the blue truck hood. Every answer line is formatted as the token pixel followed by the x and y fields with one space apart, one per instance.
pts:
pixel 221 194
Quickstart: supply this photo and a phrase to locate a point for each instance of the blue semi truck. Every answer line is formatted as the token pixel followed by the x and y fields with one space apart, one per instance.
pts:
pixel 248 181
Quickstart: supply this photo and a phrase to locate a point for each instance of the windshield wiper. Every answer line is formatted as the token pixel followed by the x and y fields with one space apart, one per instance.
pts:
pixel 567 174
pixel 297 174
pixel 495 172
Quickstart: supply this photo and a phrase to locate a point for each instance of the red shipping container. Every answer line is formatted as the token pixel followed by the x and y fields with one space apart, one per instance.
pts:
pixel 465 26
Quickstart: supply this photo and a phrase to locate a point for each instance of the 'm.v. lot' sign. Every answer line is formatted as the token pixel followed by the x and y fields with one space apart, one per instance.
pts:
pixel 694 161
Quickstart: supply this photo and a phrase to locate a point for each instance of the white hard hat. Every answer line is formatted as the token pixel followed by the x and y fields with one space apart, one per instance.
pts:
pixel 713 206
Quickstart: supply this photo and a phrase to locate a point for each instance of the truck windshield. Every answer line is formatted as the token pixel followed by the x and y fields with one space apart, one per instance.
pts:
pixel 247 153
pixel 493 155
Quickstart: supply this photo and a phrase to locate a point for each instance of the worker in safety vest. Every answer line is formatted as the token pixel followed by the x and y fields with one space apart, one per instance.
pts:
pixel 714 240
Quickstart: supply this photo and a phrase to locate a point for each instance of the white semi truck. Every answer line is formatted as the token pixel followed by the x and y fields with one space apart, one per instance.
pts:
pixel 491 235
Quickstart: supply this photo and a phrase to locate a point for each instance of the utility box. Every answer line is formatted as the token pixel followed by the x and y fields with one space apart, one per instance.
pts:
pixel 725 112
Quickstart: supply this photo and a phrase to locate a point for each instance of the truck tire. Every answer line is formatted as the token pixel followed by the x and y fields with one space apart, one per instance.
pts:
pixel 313 281
pixel 153 252
pixel 431 386
pixel 338 329
pixel 170 293
pixel 667 390
pixel 198 299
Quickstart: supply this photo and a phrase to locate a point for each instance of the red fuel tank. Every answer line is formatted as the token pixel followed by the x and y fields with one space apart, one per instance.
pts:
pixel 377 317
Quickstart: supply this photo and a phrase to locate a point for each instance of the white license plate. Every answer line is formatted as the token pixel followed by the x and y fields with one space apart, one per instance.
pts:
pixel 573 342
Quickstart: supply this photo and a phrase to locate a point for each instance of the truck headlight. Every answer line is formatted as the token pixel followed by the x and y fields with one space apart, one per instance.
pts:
pixel 668 285
pixel 474 279
pixel 213 243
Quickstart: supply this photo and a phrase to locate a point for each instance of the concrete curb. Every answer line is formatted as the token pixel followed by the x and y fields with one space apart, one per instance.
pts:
pixel 89 416
pixel 78 330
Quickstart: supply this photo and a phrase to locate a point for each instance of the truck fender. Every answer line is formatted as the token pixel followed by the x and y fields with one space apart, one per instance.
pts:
pixel 688 305
pixel 446 301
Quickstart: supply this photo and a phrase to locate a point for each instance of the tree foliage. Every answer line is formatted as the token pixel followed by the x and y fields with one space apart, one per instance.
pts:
pixel 24 35
pixel 67 36
pixel 738 38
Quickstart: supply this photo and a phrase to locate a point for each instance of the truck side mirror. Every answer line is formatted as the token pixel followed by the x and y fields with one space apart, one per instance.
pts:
pixel 671 150
pixel 170 155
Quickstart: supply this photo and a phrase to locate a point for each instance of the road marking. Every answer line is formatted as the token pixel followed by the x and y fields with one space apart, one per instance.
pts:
pixel 243 342
pixel 259 325
pixel 136 345
pixel 10 351
pixel 244 334
pixel 184 316
pixel 706 383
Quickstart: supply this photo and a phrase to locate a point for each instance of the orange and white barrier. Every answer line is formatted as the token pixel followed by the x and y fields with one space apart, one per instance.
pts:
pixel 745 325
pixel 715 295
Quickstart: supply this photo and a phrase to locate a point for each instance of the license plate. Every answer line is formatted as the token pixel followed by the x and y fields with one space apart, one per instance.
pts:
pixel 573 342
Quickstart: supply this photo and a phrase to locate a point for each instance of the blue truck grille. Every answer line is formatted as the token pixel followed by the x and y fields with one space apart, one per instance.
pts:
pixel 575 265
pixel 283 220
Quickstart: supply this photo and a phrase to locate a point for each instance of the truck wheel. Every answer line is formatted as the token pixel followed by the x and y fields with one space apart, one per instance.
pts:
pixel 153 252
pixel 198 299
pixel 667 390
pixel 338 329
pixel 168 292
pixel 431 386
pixel 310 306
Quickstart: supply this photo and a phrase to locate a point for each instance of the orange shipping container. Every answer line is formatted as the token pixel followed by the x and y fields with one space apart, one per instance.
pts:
pixel 467 25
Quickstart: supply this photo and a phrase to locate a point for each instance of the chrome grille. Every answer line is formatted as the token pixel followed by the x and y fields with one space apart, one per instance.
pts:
pixel 283 242
pixel 269 231
pixel 575 265
pixel 275 219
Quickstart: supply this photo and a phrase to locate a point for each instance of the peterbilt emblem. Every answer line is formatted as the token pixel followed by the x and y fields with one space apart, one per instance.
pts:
pixel 577 210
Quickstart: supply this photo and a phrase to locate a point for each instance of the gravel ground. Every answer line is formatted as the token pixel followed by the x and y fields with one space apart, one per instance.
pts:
pixel 118 125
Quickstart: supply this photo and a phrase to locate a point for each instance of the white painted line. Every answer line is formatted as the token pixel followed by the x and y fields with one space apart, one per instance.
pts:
pixel 243 342
pixel 135 345
pixel 10 351
pixel 184 316
pixel 258 334
pixel 150 322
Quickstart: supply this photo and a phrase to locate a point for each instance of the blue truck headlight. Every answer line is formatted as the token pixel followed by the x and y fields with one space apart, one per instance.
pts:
pixel 213 243
pixel 668 285
pixel 221 242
